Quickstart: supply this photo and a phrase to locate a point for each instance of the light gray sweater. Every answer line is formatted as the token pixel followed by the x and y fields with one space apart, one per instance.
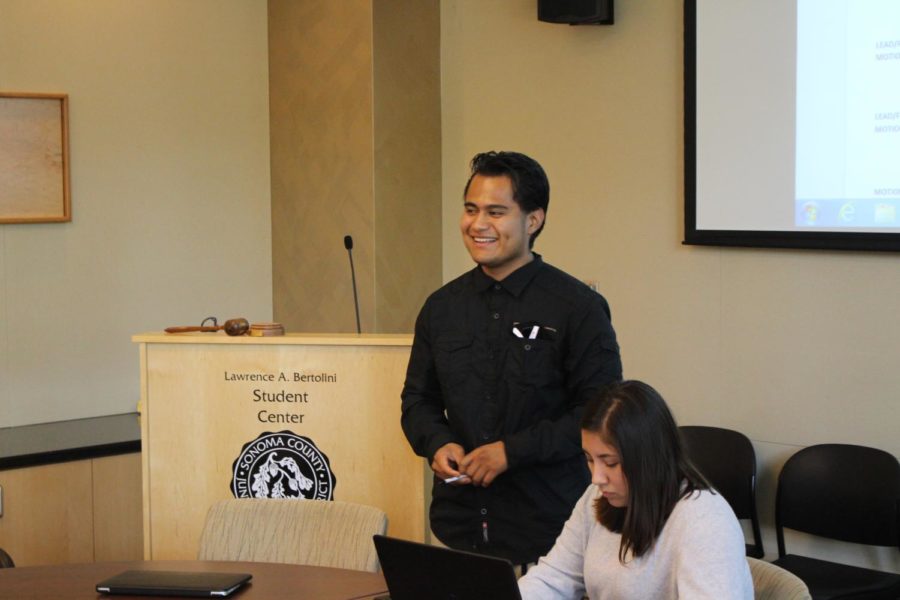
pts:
pixel 699 554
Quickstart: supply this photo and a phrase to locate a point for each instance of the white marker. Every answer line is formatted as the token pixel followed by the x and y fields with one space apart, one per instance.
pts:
pixel 457 478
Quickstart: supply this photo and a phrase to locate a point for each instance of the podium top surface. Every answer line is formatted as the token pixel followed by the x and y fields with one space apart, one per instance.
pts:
pixel 288 339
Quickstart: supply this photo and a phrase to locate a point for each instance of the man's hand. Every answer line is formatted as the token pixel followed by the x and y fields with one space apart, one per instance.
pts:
pixel 445 463
pixel 485 463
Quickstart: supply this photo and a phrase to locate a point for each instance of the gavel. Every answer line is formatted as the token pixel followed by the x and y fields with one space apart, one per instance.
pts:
pixel 231 327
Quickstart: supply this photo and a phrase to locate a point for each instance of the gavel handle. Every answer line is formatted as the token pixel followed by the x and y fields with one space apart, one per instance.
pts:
pixel 189 329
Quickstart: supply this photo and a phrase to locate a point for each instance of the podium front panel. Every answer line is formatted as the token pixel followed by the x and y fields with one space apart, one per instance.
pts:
pixel 296 416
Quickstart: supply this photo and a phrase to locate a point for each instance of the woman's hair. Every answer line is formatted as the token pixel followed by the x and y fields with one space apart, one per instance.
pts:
pixel 633 418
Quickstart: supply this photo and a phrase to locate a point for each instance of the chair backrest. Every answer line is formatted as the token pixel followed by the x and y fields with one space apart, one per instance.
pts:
pixel 308 532
pixel 771 582
pixel 840 491
pixel 727 459
pixel 6 560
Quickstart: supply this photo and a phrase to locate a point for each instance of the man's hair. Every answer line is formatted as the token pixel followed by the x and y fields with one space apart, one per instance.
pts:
pixel 530 187
pixel 633 418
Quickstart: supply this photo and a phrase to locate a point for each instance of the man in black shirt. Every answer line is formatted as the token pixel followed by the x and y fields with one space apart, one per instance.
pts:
pixel 503 360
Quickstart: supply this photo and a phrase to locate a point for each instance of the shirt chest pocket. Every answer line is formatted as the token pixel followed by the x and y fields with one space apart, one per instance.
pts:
pixel 536 363
pixel 453 361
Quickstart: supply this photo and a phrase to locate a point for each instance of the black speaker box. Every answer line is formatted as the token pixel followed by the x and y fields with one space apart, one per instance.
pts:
pixel 576 12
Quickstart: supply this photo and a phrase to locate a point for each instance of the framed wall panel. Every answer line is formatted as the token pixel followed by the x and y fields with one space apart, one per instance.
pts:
pixel 34 158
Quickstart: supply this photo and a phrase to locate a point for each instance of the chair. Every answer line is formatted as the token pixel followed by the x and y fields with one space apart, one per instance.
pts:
pixel 727 459
pixel 6 560
pixel 308 532
pixel 847 493
pixel 771 582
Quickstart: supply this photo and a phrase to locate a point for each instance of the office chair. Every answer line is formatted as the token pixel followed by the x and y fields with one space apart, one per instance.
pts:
pixel 727 459
pixel 306 532
pixel 6 560
pixel 847 493
pixel 771 582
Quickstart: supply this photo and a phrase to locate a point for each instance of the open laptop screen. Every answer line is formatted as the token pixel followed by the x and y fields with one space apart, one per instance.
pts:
pixel 415 571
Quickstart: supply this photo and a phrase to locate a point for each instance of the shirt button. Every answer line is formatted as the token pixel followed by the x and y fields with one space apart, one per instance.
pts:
pixel 527 347
pixel 483 511
pixel 496 315
pixel 496 286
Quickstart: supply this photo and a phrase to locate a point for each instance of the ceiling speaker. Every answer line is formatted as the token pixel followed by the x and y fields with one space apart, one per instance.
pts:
pixel 576 12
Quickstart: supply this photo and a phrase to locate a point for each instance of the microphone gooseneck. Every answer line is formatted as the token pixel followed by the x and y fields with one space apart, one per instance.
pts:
pixel 348 244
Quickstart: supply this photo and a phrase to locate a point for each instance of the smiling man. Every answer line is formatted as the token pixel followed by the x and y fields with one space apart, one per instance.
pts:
pixel 503 360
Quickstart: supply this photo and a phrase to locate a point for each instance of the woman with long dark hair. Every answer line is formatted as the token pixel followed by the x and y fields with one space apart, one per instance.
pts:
pixel 649 527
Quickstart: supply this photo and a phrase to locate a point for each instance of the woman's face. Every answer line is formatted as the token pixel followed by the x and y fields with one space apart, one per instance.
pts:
pixel 606 468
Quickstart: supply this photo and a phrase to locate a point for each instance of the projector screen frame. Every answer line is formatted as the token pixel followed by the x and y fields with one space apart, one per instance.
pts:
pixel 814 240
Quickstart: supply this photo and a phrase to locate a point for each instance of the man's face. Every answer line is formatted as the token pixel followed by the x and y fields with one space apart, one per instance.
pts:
pixel 494 228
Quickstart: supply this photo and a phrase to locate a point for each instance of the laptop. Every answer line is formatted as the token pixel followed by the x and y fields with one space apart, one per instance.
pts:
pixel 415 571
pixel 199 584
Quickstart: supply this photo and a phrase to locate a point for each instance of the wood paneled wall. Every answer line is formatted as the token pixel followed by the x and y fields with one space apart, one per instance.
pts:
pixel 355 150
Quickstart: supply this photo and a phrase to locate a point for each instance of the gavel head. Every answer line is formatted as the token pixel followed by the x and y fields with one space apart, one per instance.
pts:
pixel 236 326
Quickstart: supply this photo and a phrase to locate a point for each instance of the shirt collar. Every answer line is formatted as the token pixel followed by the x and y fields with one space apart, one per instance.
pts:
pixel 514 283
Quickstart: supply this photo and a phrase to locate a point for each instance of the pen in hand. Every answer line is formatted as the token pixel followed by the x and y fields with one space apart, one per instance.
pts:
pixel 457 478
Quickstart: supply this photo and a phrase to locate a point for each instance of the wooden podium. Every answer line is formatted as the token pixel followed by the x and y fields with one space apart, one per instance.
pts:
pixel 305 416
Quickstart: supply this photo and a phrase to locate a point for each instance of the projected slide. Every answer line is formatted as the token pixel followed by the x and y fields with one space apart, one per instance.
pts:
pixel 848 115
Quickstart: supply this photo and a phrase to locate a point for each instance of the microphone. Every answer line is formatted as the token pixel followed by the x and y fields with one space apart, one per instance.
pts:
pixel 348 244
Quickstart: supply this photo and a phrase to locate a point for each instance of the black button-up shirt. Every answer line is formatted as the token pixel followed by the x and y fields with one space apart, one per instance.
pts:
pixel 510 361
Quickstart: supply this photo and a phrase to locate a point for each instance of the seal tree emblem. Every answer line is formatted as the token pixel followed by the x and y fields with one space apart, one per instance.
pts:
pixel 282 465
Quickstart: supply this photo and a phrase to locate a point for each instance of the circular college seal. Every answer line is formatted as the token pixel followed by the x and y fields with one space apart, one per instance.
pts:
pixel 282 465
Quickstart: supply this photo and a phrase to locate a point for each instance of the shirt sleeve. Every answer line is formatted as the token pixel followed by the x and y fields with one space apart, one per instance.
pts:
pixel 590 361
pixel 560 574
pixel 710 561
pixel 423 419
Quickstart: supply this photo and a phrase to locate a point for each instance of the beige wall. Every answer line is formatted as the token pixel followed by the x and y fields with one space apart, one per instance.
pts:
pixel 790 347
pixel 355 96
pixel 170 192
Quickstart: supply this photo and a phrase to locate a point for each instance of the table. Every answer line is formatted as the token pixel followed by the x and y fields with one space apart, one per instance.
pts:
pixel 63 441
pixel 270 580
pixel 72 491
